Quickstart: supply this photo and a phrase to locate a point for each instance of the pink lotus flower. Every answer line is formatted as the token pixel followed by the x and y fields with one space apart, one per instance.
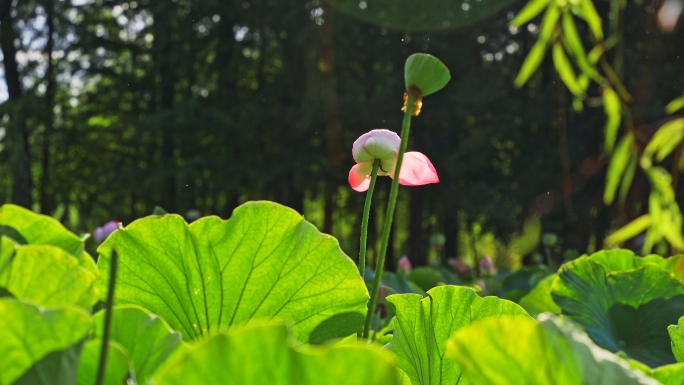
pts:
pixel 483 286
pixel 404 265
pixel 383 145
pixel 101 233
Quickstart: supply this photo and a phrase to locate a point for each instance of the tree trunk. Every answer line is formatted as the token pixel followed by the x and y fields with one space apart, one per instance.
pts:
pixel 20 161
pixel 164 61
pixel 333 126
pixel 46 201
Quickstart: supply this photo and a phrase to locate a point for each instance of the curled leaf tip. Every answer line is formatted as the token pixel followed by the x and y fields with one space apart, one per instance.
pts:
pixel 426 73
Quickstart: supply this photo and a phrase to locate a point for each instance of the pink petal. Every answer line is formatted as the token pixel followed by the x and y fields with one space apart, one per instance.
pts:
pixel 359 176
pixel 377 144
pixel 416 170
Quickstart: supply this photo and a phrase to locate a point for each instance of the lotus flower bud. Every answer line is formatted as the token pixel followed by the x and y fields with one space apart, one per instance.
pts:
pixel 404 265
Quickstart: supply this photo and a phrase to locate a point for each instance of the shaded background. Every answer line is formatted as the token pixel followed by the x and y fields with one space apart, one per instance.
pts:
pixel 112 108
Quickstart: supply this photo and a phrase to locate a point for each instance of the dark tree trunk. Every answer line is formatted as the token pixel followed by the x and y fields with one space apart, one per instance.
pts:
pixel 46 200
pixel 333 126
pixel 164 62
pixel 20 160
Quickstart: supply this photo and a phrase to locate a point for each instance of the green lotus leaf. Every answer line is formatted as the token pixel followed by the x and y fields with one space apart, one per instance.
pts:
pixel 519 350
pixel 406 15
pixel 145 336
pixel 29 333
pixel 676 333
pixel 425 72
pixel 265 261
pixel 56 368
pixel 426 277
pixel 626 310
pixel 48 276
pixel 27 227
pixel 259 353
pixel 621 260
pixel 423 325
pixel 669 374
pixel 539 299
pixel 116 370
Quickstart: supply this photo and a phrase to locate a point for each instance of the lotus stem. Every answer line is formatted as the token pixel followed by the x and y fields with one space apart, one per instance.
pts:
pixel 104 349
pixel 364 221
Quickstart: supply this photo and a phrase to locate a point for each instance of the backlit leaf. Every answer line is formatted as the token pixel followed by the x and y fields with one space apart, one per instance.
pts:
pixel 630 230
pixel 565 71
pixel 265 261
pixel 617 167
pixel 675 105
pixel 613 111
pixel 529 11
pixel 117 369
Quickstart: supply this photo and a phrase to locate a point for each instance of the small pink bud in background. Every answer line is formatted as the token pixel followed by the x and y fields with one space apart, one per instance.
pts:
pixel 461 266
pixel 404 265
pixel 101 233
pixel 487 267
pixel 481 283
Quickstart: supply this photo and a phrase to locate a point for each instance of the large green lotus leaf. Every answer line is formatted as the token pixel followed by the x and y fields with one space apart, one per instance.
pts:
pixel 669 374
pixel 117 368
pixel 621 260
pixel 48 276
pixel 36 229
pixel 57 368
pixel 265 261
pixel 407 15
pixel 519 350
pixel 676 333
pixel 539 299
pixel 423 325
pixel 260 354
pixel 146 337
pixel 625 311
pixel 29 333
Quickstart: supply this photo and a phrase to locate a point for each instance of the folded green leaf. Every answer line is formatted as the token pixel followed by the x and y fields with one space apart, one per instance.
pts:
pixel 48 276
pixel 425 72
pixel 29 333
pixel 627 310
pixel 265 261
pixel 519 350
pixel 422 326
pixel 37 229
pixel 117 369
pixel 260 354
pixel 145 336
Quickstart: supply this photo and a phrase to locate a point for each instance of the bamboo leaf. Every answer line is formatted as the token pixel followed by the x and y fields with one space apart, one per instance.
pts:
pixel 565 70
pixel 627 180
pixel 549 22
pixel 613 110
pixel 531 63
pixel 529 11
pixel 675 105
pixel 616 168
pixel 592 18
pixel 630 230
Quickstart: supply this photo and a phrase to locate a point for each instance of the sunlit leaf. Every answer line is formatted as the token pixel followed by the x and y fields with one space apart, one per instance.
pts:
pixel 576 49
pixel 265 261
pixel 677 336
pixel 117 368
pixel 29 333
pixel 422 326
pixel 48 276
pixel 260 354
pixel 536 55
pixel 539 299
pixel 519 350
pixel 549 22
pixel 39 229
pixel 529 11
pixel 426 73
pixel 145 336
pixel 565 71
